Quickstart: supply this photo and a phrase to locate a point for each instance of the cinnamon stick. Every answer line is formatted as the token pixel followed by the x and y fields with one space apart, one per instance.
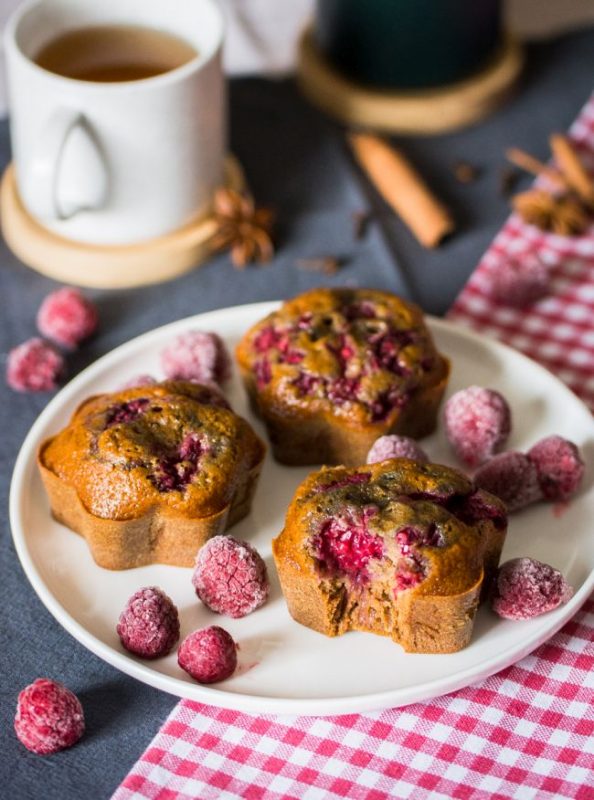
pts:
pixel 572 168
pixel 402 188
pixel 531 164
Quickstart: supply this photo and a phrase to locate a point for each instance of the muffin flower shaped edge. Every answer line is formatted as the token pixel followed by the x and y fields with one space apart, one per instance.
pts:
pixel 397 548
pixel 333 369
pixel 148 474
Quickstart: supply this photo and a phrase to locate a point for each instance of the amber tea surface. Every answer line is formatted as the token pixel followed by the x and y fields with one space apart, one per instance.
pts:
pixel 114 53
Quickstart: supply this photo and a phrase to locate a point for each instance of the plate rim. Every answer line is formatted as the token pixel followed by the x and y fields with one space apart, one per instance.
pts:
pixel 252 703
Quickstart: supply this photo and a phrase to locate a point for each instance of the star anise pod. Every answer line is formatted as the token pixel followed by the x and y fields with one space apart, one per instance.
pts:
pixel 242 228
pixel 563 214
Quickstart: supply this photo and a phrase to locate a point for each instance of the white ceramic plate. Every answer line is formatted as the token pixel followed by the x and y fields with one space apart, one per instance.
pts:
pixel 284 667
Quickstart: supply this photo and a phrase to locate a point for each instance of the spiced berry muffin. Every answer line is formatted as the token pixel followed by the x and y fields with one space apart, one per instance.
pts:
pixel 148 474
pixel 398 548
pixel 334 369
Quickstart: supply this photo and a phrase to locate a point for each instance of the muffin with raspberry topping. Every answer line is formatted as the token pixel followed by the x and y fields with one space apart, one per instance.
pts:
pixel 334 369
pixel 148 474
pixel 397 548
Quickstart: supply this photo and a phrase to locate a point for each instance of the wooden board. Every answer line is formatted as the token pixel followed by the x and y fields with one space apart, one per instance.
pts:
pixel 427 112
pixel 101 266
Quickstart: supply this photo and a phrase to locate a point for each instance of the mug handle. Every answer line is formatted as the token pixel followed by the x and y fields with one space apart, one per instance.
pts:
pixel 68 173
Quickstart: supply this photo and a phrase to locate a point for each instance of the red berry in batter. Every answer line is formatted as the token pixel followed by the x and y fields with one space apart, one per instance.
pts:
pixel 208 655
pixel 230 576
pixel 67 317
pixel 525 588
pixel 477 423
pixel 344 545
pixel 559 467
pixel 34 366
pixel 392 446
pixel 197 356
pixel 49 717
pixel 511 477
pixel 149 624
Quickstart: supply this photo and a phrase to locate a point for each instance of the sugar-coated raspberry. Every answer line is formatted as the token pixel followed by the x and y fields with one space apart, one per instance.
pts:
pixel 477 423
pixel 138 381
pixel 511 477
pixel 392 446
pixel 559 466
pixel 49 717
pixel 67 317
pixel 525 588
pixel 149 624
pixel 208 655
pixel 34 366
pixel 197 356
pixel 520 281
pixel 230 576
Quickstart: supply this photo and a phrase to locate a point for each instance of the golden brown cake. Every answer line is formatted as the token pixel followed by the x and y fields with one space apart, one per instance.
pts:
pixel 148 474
pixel 397 548
pixel 333 369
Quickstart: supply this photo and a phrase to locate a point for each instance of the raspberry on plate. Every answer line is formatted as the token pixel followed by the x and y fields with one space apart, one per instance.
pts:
pixel 208 655
pixel 49 717
pixel 197 356
pixel 139 380
pixel 477 423
pixel 149 624
pixel 34 366
pixel 230 576
pixel 393 446
pixel 67 317
pixel 511 477
pixel 525 588
pixel 559 466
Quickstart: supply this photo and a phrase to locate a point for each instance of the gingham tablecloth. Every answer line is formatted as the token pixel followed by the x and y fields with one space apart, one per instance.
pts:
pixel 527 732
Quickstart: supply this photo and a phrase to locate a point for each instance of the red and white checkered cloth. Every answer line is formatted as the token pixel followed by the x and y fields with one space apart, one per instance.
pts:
pixel 525 733
pixel 559 330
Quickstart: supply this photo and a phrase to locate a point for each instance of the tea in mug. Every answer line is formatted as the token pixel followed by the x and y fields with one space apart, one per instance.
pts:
pixel 114 53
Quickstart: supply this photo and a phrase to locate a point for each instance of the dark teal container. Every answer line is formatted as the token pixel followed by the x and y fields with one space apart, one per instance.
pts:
pixel 408 44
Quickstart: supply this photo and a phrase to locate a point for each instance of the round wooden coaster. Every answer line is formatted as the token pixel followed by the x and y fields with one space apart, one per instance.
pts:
pixel 428 111
pixel 104 266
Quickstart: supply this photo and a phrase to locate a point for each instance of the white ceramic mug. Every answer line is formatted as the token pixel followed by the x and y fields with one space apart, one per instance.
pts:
pixel 123 162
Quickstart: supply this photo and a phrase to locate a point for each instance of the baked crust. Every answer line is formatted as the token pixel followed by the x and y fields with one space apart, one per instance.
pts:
pixel 397 548
pixel 148 474
pixel 334 369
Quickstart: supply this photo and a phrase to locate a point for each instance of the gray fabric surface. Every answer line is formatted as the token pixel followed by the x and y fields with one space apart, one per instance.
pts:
pixel 296 161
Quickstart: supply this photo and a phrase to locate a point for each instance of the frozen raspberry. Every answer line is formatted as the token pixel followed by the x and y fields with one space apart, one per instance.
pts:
pixel 49 717
pixel 67 317
pixel 477 423
pixel 138 381
pixel 149 625
pixel 511 477
pixel 208 655
pixel 393 446
pixel 197 356
pixel 230 577
pixel 559 466
pixel 520 281
pixel 525 588
pixel 34 366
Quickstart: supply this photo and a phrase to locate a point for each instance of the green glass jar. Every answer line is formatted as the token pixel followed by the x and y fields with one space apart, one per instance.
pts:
pixel 408 44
